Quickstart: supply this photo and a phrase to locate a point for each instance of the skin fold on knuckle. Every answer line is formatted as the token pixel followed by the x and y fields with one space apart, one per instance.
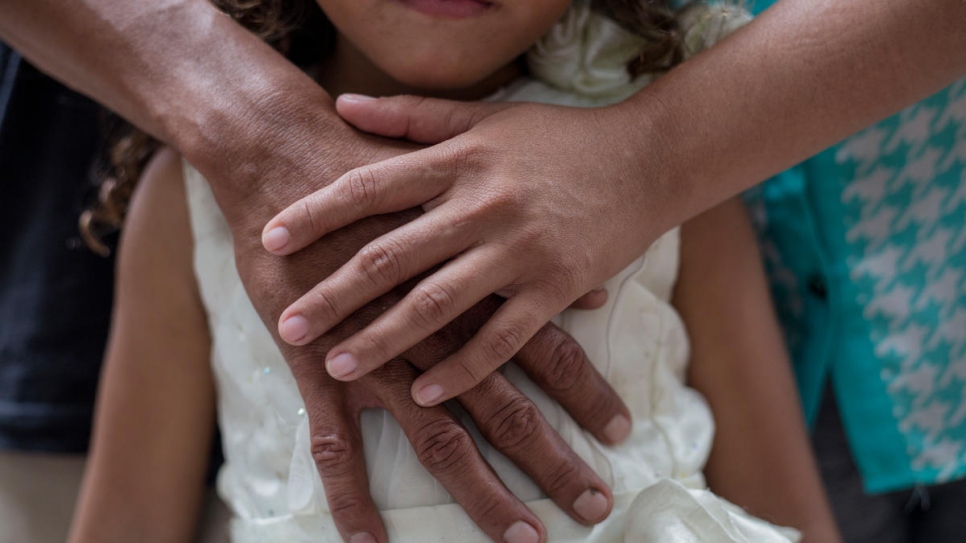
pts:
pixel 562 475
pixel 566 368
pixel 361 189
pixel 333 453
pixel 443 445
pixel 563 283
pixel 320 305
pixel 514 426
pixel 310 222
pixel 381 263
pixel 304 362
pixel 465 155
pixel 346 503
pixel 432 304
pixel 465 375
pixel 502 343
pixel 488 510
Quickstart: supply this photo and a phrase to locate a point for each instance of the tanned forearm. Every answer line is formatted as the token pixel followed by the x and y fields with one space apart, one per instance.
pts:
pixel 804 75
pixel 760 458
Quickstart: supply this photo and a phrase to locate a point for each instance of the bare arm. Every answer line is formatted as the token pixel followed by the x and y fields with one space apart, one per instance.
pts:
pixel 800 77
pixel 173 68
pixel 155 408
pixel 761 458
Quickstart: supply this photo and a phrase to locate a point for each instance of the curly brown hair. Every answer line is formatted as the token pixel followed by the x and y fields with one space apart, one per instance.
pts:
pixel 300 30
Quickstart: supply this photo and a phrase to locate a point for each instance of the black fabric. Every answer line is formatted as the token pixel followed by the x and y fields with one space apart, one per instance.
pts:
pixel 55 295
pixel 922 514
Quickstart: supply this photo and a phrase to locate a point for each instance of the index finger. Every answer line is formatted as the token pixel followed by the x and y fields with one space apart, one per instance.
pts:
pixel 392 185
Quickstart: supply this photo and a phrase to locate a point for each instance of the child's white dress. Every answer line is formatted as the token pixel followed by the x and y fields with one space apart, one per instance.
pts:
pixel 637 342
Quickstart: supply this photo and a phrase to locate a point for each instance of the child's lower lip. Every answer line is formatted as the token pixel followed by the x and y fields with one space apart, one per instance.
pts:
pixel 452 9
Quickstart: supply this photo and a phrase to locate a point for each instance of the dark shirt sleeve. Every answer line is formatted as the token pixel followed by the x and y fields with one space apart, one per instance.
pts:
pixel 55 294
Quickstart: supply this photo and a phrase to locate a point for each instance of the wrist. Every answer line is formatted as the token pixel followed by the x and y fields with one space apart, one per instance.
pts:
pixel 239 111
pixel 646 132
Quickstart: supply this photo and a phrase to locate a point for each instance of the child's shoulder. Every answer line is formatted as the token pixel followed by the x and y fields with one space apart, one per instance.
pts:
pixel 157 232
pixel 161 183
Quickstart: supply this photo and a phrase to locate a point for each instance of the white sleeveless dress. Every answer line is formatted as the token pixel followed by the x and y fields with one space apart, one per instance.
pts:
pixel 637 341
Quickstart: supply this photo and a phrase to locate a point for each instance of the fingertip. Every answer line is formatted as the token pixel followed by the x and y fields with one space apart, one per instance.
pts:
pixel 362 537
pixel 427 395
pixel 275 239
pixel 592 506
pixel 521 532
pixel 293 329
pixel 351 99
pixel 341 365
pixel 617 429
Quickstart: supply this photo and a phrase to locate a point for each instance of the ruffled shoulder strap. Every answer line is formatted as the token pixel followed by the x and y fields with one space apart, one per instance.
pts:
pixel 587 53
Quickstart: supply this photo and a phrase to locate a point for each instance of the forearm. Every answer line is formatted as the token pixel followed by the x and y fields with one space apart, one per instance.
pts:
pixel 156 401
pixel 760 458
pixel 804 75
pixel 179 69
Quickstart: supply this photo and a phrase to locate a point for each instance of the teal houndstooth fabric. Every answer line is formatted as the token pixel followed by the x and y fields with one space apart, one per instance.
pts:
pixel 866 250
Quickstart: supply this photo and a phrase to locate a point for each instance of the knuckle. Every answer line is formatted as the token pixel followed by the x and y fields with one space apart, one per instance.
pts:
pixel 463 154
pixel 304 363
pixel 566 368
pixel 472 375
pixel 560 476
pixel 321 305
pixel 342 503
pixel 432 304
pixel 442 445
pixel 412 103
pixel 503 343
pixel 563 282
pixel 333 453
pixel 381 263
pixel 487 507
pixel 360 185
pixel 498 199
pixel 374 346
pixel 309 216
pixel 514 425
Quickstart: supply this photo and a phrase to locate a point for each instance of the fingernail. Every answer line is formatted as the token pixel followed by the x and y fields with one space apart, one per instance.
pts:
pixel 617 429
pixel 362 537
pixel 276 238
pixel 521 532
pixel 591 505
pixel 355 98
pixel 429 394
pixel 341 365
pixel 293 329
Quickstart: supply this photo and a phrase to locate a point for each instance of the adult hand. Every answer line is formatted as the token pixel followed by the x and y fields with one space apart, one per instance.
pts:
pixel 504 416
pixel 501 207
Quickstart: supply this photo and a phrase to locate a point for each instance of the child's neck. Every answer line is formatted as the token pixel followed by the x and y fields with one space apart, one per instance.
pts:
pixel 348 70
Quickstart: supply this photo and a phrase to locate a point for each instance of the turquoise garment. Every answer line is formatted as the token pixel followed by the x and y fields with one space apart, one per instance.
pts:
pixel 866 249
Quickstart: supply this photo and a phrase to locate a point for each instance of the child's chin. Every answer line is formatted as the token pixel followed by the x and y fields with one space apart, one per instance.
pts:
pixel 438 78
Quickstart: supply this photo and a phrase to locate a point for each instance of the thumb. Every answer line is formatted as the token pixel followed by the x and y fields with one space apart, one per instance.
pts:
pixel 415 118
